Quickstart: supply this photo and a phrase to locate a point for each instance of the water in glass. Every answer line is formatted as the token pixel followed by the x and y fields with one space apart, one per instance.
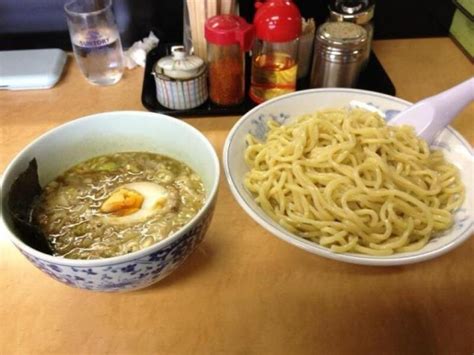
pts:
pixel 99 55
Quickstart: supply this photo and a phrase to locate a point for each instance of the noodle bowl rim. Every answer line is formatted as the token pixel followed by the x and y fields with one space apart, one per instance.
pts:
pixel 280 232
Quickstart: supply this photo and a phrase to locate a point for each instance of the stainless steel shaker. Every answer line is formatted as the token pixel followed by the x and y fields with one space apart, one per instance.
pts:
pixel 339 54
pixel 360 12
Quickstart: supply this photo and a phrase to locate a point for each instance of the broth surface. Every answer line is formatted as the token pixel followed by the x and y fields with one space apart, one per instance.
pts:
pixel 69 209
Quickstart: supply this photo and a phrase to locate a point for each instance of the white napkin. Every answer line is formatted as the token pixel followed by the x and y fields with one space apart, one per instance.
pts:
pixel 136 54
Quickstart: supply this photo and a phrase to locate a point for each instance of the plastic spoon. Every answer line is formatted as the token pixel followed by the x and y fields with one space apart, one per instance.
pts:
pixel 431 115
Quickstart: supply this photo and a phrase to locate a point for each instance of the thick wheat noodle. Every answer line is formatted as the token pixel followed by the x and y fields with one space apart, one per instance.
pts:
pixel 344 179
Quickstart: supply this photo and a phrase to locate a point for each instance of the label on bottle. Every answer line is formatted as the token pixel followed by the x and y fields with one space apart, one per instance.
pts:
pixel 272 75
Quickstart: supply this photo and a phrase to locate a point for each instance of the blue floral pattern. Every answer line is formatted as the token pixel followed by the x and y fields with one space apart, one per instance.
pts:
pixel 134 274
pixel 456 149
pixel 462 222
pixel 259 125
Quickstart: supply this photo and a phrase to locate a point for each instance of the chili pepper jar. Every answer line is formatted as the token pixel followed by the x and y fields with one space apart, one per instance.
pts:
pixel 275 51
pixel 181 80
pixel 228 38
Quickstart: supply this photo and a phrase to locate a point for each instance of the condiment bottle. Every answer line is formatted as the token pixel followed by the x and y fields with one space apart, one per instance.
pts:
pixel 360 12
pixel 228 38
pixel 181 80
pixel 274 58
pixel 339 53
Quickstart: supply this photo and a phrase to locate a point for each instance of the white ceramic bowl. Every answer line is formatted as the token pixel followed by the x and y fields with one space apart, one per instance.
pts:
pixel 107 133
pixel 285 108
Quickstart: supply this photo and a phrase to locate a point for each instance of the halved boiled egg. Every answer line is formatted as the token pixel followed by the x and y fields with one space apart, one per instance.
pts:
pixel 137 201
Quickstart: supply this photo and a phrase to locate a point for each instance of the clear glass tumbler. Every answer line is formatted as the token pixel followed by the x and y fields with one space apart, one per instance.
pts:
pixel 95 40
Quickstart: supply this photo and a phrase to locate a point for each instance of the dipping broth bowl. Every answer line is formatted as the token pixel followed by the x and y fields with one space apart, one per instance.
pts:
pixel 107 133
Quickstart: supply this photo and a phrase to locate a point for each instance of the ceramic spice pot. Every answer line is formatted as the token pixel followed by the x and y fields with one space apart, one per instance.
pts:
pixel 181 81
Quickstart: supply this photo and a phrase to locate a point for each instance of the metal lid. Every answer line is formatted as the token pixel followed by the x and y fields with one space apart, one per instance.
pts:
pixel 179 65
pixel 343 35
pixel 356 11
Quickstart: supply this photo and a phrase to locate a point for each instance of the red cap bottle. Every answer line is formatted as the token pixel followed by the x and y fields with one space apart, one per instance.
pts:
pixel 229 29
pixel 228 38
pixel 277 21
pixel 274 62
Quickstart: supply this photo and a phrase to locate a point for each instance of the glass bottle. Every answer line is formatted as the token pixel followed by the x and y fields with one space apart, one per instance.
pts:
pixel 275 52
pixel 228 38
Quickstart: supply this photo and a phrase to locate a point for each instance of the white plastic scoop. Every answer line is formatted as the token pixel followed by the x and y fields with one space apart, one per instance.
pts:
pixel 431 115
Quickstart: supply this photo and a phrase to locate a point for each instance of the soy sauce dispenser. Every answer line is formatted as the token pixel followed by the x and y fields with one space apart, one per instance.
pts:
pixel 274 58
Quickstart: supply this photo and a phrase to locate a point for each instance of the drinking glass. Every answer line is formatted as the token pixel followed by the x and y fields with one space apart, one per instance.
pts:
pixel 95 40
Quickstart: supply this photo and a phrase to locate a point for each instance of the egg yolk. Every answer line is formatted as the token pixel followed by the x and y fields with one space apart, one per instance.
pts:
pixel 122 202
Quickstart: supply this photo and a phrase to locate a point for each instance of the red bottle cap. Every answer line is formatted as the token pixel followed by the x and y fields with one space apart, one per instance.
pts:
pixel 229 29
pixel 277 21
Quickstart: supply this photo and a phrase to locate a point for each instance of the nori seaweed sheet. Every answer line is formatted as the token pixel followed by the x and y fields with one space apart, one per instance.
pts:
pixel 22 196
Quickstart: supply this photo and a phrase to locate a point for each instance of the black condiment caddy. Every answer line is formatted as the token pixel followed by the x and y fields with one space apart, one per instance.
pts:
pixel 373 78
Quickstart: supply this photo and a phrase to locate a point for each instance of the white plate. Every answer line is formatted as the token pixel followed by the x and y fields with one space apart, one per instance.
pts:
pixel 285 108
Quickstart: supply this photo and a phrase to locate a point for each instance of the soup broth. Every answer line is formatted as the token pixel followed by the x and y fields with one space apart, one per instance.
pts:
pixel 116 204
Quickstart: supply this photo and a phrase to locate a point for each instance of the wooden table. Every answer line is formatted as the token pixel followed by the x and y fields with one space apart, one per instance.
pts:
pixel 244 291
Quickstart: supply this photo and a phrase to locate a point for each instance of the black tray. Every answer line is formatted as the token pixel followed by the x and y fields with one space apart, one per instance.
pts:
pixel 373 78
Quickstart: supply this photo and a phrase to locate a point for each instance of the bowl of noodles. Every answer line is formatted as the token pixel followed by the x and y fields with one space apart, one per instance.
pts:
pixel 323 170
pixel 114 201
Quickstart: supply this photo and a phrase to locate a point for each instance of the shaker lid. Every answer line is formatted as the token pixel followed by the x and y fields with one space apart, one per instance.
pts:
pixel 342 34
pixel 356 11
pixel 277 21
pixel 229 29
pixel 180 65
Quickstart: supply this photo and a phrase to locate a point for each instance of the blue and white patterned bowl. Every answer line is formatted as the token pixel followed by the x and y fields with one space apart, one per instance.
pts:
pixel 285 108
pixel 107 133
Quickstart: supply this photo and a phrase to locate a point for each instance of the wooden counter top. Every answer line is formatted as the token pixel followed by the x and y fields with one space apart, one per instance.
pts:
pixel 243 291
